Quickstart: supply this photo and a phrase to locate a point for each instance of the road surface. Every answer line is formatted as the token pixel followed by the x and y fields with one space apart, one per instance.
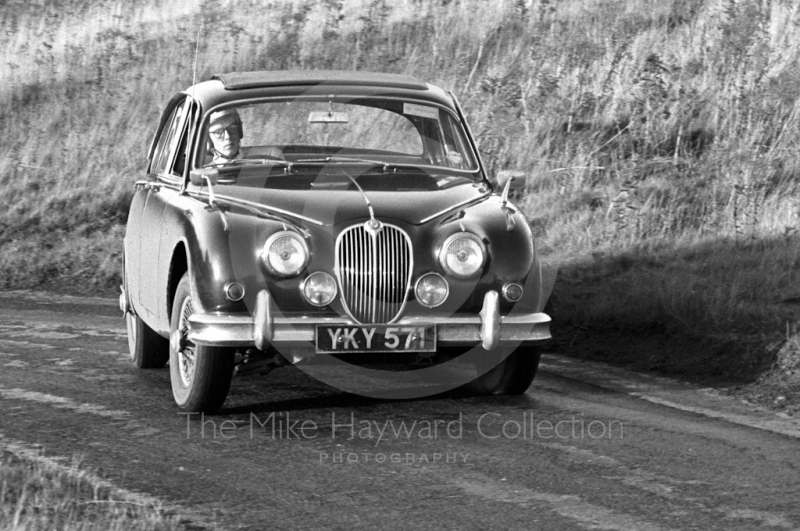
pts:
pixel 588 447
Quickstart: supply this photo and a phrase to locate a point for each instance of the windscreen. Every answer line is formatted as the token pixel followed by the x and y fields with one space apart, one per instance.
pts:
pixel 330 130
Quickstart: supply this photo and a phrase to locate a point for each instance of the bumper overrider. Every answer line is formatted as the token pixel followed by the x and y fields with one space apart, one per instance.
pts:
pixel 267 326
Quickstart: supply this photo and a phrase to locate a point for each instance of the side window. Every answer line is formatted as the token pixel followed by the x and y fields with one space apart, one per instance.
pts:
pixel 169 140
pixel 158 152
pixel 179 163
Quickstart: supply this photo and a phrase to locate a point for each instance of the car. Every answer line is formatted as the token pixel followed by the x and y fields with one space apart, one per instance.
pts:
pixel 292 216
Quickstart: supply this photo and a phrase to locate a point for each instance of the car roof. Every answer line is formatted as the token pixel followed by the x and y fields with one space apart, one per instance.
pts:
pixel 242 80
pixel 233 86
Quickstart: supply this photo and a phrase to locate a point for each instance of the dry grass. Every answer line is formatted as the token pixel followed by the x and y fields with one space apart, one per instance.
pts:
pixel 37 494
pixel 659 136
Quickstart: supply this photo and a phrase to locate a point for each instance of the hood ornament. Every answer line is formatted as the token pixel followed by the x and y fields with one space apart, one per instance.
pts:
pixel 373 227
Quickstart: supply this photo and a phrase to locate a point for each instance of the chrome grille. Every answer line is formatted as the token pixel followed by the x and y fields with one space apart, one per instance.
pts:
pixel 374 271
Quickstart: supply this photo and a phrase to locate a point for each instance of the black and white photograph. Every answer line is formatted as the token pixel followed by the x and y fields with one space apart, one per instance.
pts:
pixel 399 265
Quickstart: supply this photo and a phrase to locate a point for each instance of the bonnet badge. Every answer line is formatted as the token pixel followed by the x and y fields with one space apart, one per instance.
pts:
pixel 373 226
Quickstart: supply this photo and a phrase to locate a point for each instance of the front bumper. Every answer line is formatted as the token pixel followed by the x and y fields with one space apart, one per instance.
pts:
pixel 268 327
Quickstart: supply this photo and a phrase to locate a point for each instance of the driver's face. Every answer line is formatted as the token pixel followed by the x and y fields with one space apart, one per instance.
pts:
pixel 225 136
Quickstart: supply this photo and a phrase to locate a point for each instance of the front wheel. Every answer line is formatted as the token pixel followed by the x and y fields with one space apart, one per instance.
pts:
pixel 509 375
pixel 201 375
pixel 148 350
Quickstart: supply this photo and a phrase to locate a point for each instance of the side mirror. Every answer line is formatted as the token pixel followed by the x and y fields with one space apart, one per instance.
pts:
pixel 518 182
pixel 199 177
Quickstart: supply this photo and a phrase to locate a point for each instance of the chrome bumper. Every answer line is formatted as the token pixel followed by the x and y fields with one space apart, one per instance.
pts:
pixel 267 327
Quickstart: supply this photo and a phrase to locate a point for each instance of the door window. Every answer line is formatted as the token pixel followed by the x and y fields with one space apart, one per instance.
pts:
pixel 169 141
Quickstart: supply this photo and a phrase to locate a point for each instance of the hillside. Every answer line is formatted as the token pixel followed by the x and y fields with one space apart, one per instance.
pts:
pixel 659 138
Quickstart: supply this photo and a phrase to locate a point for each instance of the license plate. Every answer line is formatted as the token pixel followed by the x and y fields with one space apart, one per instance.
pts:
pixel 382 338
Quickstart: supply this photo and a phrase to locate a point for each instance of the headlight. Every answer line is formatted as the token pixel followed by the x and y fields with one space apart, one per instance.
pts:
pixel 319 288
pixel 285 253
pixel 431 289
pixel 462 255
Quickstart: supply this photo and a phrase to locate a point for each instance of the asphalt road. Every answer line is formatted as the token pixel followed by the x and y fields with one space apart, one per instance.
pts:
pixel 588 447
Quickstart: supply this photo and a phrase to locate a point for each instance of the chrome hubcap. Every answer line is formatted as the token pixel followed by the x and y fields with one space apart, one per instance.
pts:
pixel 187 359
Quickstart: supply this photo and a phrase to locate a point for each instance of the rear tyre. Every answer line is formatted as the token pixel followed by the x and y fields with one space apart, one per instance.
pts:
pixel 201 375
pixel 510 376
pixel 148 350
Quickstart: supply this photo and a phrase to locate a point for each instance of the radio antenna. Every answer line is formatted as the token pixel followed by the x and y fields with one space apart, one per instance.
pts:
pixel 196 52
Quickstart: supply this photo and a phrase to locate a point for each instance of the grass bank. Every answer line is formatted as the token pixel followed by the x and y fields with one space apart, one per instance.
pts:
pixel 39 494
pixel 660 138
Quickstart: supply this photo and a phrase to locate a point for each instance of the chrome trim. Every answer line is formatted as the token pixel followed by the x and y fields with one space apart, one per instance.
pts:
pixel 259 206
pixel 456 207
pixel 124 306
pixel 265 252
pixel 212 200
pixel 265 327
pixel 456 236
pixel 371 276
pixel 470 136
pixel 506 191
pixel 245 202
pixel 260 326
pixel 446 283
pixel 303 288
pixel 490 320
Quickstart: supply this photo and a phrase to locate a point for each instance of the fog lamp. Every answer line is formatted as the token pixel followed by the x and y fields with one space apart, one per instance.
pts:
pixel 431 290
pixel 512 292
pixel 234 292
pixel 319 288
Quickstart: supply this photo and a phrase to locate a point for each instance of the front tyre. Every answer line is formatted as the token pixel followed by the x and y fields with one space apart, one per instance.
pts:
pixel 511 375
pixel 201 375
pixel 148 350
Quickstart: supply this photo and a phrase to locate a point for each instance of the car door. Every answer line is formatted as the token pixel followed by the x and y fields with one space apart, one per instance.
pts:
pixel 162 184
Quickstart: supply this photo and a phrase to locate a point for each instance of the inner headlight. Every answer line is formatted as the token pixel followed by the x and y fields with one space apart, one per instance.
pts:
pixel 285 253
pixel 462 255
pixel 319 288
pixel 431 289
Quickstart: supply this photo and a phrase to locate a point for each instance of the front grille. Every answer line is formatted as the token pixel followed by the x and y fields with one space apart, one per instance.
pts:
pixel 374 272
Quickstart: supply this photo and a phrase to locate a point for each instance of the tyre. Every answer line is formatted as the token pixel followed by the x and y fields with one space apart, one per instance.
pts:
pixel 201 375
pixel 148 350
pixel 511 375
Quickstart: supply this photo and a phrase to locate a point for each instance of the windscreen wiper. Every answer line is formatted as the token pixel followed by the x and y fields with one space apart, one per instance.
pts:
pixel 280 163
pixel 385 166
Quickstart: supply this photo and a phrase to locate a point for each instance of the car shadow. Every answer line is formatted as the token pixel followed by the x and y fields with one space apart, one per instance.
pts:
pixel 716 311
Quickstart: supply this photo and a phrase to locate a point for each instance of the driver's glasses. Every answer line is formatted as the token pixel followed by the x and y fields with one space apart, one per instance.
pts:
pixel 232 130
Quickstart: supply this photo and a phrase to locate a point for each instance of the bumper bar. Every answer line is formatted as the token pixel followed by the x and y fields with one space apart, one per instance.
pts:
pixel 267 327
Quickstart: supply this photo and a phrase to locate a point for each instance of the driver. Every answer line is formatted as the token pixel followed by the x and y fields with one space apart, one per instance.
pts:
pixel 225 138
pixel 225 135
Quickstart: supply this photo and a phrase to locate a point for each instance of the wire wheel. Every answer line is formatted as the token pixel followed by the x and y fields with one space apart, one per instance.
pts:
pixel 200 374
pixel 187 356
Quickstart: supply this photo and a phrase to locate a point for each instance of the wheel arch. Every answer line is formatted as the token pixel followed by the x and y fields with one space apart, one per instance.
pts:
pixel 179 266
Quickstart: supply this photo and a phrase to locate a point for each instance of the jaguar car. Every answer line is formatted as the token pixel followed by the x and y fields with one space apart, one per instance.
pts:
pixel 292 216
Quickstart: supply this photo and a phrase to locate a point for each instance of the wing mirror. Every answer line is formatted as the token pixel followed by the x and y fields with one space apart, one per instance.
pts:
pixel 199 177
pixel 516 177
pixel 509 180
